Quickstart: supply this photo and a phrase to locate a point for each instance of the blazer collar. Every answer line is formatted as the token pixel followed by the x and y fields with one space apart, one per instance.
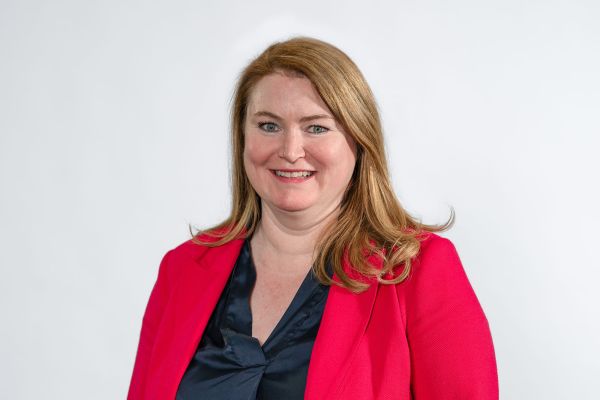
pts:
pixel 204 277
pixel 204 274
pixel 343 324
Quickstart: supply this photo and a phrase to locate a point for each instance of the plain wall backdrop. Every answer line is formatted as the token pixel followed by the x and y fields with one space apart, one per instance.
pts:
pixel 114 136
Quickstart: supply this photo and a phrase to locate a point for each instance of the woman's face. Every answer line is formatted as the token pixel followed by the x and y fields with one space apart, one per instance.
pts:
pixel 296 156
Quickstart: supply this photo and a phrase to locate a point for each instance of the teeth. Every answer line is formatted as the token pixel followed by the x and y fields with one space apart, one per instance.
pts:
pixel 302 174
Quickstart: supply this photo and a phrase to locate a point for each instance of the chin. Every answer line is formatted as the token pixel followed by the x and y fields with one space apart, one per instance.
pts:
pixel 292 204
pixel 292 207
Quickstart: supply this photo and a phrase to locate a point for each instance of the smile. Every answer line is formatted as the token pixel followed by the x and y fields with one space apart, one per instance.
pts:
pixel 297 176
pixel 294 174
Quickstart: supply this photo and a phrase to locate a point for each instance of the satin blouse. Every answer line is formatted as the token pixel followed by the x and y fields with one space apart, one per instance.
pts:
pixel 230 364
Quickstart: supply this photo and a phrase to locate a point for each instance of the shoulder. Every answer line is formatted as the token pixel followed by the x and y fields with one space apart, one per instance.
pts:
pixel 437 265
pixel 435 250
pixel 188 249
pixel 193 248
pixel 182 255
pixel 438 282
pixel 202 248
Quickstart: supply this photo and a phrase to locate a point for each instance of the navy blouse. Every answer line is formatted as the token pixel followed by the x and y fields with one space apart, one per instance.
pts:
pixel 231 364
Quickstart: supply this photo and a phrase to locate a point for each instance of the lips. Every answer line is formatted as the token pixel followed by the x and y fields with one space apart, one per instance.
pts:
pixel 297 175
pixel 293 174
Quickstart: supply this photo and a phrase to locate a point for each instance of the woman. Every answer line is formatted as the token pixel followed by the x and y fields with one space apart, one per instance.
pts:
pixel 319 285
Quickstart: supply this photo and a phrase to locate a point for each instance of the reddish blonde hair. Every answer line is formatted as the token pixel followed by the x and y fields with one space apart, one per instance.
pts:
pixel 371 220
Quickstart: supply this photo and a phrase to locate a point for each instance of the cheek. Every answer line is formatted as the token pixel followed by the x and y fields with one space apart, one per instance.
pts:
pixel 337 157
pixel 255 152
pixel 251 167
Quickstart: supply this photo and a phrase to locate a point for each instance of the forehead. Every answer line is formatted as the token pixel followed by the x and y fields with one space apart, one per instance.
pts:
pixel 285 92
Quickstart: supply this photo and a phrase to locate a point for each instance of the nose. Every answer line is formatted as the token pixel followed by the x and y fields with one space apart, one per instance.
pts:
pixel 292 146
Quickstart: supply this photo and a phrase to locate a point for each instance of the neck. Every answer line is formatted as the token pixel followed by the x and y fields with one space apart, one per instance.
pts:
pixel 290 234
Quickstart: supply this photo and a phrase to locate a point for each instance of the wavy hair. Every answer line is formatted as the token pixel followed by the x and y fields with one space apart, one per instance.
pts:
pixel 371 221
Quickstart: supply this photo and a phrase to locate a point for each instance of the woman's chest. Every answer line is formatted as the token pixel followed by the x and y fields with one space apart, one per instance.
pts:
pixel 269 299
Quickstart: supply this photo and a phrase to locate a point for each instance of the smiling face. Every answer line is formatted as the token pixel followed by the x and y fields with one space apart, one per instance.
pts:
pixel 296 156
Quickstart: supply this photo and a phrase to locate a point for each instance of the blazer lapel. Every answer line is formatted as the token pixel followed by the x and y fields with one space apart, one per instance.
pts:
pixel 196 295
pixel 344 322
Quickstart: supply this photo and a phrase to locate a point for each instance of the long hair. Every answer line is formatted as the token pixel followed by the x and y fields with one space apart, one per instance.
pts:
pixel 371 220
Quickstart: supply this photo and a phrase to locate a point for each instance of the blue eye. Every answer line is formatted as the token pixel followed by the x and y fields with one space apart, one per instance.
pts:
pixel 318 129
pixel 268 126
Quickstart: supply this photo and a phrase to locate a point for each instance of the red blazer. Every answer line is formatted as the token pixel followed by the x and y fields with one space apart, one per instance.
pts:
pixel 426 338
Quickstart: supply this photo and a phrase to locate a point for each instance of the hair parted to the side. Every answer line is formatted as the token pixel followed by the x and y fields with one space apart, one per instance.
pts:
pixel 371 220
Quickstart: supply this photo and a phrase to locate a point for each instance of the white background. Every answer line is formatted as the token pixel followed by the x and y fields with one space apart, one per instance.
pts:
pixel 114 136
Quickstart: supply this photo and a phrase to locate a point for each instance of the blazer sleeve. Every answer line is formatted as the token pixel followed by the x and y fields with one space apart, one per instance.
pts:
pixel 451 349
pixel 150 323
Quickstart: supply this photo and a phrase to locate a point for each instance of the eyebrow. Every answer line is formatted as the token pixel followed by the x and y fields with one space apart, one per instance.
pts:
pixel 303 119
